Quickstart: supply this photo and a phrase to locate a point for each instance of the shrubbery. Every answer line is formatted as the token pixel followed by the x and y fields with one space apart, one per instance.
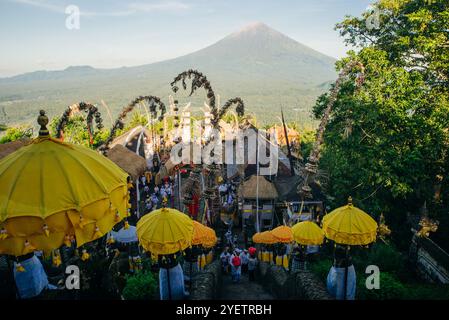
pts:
pixel 321 268
pixel 386 257
pixel 390 288
pixel 16 133
pixel 395 278
pixel 141 286
pixel 421 291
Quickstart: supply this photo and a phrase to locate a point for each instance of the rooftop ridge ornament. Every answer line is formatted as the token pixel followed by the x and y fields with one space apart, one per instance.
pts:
pixel 42 120
pixel 427 225
pixel 383 230
pixel 350 201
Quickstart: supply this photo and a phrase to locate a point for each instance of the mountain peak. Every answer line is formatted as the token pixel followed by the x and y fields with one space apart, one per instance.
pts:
pixel 254 29
pixel 255 26
pixel 79 68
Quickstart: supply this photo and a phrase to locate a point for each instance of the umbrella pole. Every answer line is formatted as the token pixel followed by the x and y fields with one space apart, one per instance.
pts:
pixel 190 278
pixel 282 261
pixel 345 288
pixel 179 191
pixel 169 285
pixel 304 248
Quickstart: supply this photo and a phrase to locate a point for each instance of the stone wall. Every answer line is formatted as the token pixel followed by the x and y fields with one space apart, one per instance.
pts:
pixel 308 287
pixel 206 283
pixel 282 284
pixel 431 262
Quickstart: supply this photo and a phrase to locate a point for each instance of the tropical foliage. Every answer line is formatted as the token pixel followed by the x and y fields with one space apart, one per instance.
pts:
pixel 397 278
pixel 386 144
pixel 141 286
pixel 16 133
pixel 76 132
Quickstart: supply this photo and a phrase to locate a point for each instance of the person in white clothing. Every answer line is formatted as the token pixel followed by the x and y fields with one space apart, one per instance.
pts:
pixel 225 260
pixel 143 179
pixel 245 259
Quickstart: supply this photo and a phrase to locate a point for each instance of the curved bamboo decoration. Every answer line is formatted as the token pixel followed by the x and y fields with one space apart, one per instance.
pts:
pixel 92 111
pixel 240 108
pixel 311 167
pixel 199 80
pixel 154 103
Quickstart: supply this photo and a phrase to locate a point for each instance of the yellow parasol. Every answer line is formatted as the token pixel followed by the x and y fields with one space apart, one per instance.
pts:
pixel 53 192
pixel 267 237
pixel 165 231
pixel 283 234
pixel 307 233
pixel 203 236
pixel 350 226
pixel 256 237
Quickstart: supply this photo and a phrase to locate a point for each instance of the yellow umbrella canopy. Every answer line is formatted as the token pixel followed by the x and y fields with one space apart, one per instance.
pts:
pixel 349 225
pixel 283 234
pixel 308 233
pixel 265 238
pixel 52 192
pixel 256 238
pixel 165 231
pixel 203 236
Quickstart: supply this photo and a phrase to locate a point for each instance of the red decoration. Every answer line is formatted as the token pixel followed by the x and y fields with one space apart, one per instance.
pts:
pixel 194 207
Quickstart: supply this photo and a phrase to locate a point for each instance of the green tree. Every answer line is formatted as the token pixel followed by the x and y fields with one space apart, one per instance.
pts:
pixel 413 32
pixel 307 141
pixel 76 132
pixel 141 286
pixel 386 143
pixel 16 133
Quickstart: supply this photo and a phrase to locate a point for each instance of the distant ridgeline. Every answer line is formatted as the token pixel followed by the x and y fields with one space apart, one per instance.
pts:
pixel 258 63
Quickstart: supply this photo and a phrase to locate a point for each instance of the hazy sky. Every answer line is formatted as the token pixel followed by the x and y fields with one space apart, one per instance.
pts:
pixel 114 33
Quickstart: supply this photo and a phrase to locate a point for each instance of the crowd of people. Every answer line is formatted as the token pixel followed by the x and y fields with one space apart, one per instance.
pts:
pixel 228 194
pixel 239 261
pixel 149 195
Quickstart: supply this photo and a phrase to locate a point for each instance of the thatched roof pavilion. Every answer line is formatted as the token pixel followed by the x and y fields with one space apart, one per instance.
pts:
pixel 136 140
pixel 129 161
pixel 267 190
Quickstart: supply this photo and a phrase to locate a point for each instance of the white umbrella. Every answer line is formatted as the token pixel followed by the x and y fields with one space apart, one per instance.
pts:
pixel 125 235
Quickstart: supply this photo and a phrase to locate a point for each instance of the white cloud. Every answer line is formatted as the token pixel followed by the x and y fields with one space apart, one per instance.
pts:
pixel 41 4
pixel 162 6
pixel 130 9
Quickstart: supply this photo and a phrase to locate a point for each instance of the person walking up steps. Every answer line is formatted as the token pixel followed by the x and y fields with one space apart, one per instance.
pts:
pixel 236 267
pixel 225 257
pixel 244 258
pixel 252 264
